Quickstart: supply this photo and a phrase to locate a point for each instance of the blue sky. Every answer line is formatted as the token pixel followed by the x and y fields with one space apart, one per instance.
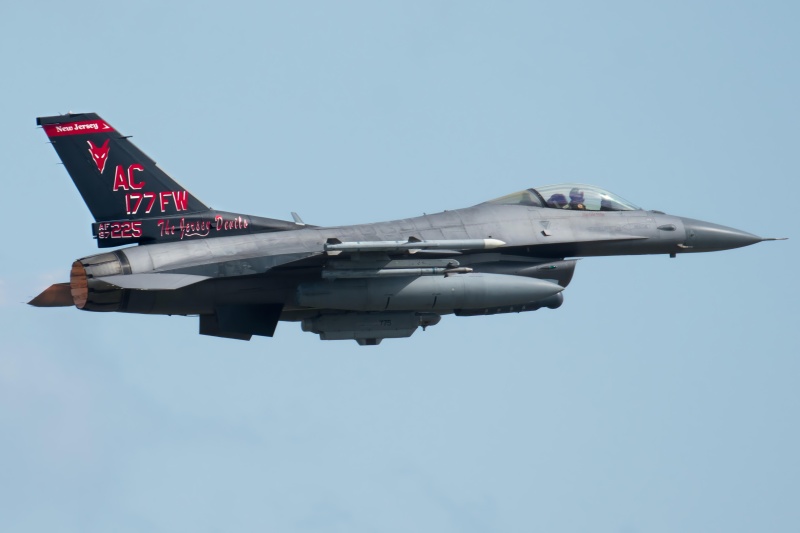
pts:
pixel 662 396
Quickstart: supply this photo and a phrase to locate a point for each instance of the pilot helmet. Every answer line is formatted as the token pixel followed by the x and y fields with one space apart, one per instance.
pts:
pixel 576 194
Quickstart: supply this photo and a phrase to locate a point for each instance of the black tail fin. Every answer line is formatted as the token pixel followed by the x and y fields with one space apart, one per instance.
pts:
pixel 132 200
pixel 116 179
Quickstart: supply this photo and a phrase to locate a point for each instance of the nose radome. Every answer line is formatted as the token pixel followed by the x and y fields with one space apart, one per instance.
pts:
pixel 707 237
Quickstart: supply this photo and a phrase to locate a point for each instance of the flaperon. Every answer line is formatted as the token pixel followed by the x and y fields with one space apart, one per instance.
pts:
pixel 243 274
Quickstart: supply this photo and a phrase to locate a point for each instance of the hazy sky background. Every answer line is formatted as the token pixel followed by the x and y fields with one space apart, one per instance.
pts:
pixel 663 396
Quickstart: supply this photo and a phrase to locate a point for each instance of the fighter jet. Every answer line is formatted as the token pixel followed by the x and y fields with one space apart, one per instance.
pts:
pixel 242 274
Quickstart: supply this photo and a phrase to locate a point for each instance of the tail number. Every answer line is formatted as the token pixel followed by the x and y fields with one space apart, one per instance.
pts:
pixel 119 230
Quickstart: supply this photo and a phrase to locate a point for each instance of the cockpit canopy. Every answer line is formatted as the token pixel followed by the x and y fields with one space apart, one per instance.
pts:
pixel 575 196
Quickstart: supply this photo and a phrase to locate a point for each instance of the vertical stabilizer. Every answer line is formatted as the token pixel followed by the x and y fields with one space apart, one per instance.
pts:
pixel 116 179
pixel 132 200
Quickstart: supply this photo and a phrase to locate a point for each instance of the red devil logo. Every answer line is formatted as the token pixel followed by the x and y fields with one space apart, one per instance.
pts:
pixel 99 154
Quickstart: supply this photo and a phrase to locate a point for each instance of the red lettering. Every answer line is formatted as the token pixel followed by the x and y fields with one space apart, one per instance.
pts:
pixel 228 225
pixel 127 181
pixel 131 181
pixel 137 198
pixel 163 197
pixel 134 201
pixel 164 227
pixel 119 230
pixel 120 180
pixel 181 200
pixel 152 197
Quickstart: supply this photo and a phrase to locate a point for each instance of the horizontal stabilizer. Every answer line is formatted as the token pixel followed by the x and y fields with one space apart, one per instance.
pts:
pixel 57 295
pixel 152 282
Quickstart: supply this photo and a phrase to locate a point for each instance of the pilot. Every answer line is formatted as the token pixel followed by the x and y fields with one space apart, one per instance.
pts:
pixel 576 199
pixel 558 201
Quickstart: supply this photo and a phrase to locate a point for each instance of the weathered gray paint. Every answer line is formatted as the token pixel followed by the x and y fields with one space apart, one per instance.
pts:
pixel 242 274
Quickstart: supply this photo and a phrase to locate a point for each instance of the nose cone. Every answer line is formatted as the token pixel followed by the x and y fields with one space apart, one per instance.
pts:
pixel 707 237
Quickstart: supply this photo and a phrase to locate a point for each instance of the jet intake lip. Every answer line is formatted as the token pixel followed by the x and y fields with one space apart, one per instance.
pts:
pixel 707 237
